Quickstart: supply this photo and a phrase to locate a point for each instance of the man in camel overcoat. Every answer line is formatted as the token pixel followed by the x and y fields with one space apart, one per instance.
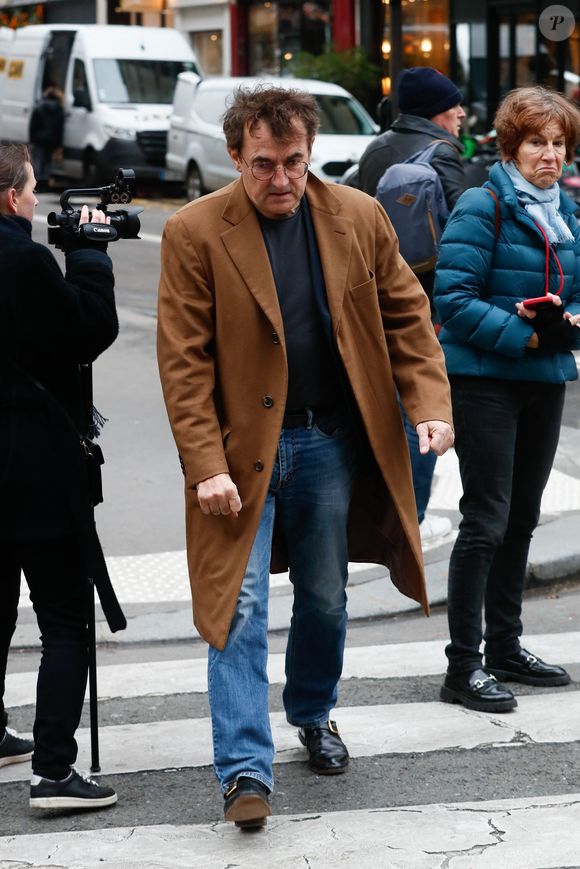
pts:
pixel 288 323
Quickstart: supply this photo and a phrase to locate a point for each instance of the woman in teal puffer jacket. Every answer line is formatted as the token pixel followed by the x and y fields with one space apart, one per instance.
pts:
pixel 508 360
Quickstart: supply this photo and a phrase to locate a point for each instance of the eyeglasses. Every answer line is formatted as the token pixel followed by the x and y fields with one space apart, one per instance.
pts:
pixel 264 170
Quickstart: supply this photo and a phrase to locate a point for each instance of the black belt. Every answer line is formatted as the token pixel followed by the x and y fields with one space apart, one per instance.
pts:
pixel 306 417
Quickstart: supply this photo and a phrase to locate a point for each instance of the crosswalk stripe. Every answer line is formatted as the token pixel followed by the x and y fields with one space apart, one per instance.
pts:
pixel 184 676
pixel 398 728
pixel 489 834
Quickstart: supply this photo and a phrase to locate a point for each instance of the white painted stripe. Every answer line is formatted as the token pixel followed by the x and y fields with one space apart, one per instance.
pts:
pixel 155 678
pixel 500 834
pixel 367 730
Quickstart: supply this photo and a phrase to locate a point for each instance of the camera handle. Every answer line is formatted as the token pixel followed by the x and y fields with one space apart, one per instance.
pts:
pixel 119 192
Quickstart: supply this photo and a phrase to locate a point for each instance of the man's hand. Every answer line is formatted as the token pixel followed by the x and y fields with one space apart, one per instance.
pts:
pixel 219 496
pixel 436 435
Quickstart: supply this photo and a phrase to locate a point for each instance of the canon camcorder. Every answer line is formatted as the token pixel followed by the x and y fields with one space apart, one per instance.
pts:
pixel 65 231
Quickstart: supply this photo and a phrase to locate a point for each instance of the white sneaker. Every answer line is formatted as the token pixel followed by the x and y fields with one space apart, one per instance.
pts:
pixel 434 528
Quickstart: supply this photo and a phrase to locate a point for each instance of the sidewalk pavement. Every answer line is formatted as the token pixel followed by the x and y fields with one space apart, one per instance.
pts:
pixel 153 588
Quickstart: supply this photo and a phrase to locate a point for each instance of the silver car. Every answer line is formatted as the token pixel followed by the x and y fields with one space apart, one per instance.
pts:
pixel 196 147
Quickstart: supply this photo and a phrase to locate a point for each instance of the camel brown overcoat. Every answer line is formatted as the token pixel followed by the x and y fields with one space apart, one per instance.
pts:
pixel 224 374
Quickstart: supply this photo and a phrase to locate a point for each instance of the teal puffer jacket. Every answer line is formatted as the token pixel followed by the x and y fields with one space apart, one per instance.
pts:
pixel 480 277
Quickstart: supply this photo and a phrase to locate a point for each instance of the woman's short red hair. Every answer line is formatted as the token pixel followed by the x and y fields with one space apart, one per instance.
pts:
pixel 530 110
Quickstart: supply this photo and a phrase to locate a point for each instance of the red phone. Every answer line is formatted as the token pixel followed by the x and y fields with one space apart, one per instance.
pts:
pixel 540 302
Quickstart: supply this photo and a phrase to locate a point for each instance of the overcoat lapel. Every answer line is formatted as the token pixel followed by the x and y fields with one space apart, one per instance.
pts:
pixel 334 236
pixel 245 245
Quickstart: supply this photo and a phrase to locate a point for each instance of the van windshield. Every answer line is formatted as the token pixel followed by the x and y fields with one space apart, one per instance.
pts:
pixel 138 81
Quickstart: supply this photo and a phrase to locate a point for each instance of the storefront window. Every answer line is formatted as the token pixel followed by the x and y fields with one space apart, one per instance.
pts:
pixel 208 46
pixel 554 55
pixel 471 71
pixel 278 31
pixel 263 38
pixel 425 36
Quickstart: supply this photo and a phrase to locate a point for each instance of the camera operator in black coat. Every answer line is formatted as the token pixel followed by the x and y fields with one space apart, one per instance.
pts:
pixel 50 326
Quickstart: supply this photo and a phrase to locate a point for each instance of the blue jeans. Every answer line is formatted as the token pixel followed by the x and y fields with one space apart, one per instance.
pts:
pixel 309 493
pixel 422 468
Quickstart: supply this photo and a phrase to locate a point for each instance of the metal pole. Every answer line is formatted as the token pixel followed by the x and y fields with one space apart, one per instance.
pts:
pixel 86 372
pixel 396 63
pixel 93 692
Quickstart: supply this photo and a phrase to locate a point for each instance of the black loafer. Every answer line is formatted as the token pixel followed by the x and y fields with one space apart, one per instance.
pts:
pixel 327 753
pixel 477 690
pixel 247 803
pixel 524 667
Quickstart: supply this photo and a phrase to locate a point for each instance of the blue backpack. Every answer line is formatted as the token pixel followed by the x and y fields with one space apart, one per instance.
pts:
pixel 412 195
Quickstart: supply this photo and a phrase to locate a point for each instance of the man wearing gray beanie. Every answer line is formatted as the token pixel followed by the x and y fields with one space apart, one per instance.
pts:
pixel 430 106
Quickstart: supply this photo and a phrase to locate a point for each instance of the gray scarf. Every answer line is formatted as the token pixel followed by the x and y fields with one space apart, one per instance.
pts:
pixel 541 205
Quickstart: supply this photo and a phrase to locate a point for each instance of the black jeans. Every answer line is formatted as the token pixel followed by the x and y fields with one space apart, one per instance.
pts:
pixel 506 434
pixel 58 591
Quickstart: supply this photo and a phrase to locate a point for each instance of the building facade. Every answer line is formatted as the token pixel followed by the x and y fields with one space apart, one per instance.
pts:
pixel 485 46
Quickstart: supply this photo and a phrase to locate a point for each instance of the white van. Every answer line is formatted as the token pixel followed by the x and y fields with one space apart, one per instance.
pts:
pixel 118 84
pixel 196 147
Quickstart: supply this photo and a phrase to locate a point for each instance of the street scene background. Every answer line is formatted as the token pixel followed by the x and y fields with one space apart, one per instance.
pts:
pixel 430 785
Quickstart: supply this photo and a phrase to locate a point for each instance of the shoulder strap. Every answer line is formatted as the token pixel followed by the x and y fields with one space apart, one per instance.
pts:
pixel 427 153
pixel 50 397
pixel 493 195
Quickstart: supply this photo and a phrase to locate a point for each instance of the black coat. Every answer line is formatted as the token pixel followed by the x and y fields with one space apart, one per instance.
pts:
pixel 47 123
pixel 49 325
pixel 408 135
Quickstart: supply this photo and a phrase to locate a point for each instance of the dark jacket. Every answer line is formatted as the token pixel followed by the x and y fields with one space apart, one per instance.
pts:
pixel 49 324
pixel 47 123
pixel 408 135
pixel 480 277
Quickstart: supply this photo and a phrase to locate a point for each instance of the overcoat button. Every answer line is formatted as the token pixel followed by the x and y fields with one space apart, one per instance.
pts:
pixel 275 338
pixel 259 466
pixel 268 401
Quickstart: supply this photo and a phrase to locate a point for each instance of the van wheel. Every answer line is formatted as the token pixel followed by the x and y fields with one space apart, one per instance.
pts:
pixel 193 183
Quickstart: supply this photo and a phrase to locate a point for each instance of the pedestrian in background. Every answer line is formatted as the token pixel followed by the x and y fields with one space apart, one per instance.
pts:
pixel 287 323
pixel 49 326
pixel 46 133
pixel 514 239
pixel 430 110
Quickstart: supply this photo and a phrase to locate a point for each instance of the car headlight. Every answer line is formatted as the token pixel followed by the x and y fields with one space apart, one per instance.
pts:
pixel 120 132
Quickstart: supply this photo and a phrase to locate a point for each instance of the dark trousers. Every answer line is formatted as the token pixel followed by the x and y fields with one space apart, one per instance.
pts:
pixel 41 160
pixel 422 468
pixel 58 591
pixel 506 434
pixel 9 595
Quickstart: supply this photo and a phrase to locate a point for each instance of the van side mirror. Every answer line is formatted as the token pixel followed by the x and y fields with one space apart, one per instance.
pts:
pixel 81 99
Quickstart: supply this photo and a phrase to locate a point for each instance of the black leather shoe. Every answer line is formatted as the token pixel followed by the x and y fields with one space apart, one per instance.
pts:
pixel 247 803
pixel 477 690
pixel 524 667
pixel 327 753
